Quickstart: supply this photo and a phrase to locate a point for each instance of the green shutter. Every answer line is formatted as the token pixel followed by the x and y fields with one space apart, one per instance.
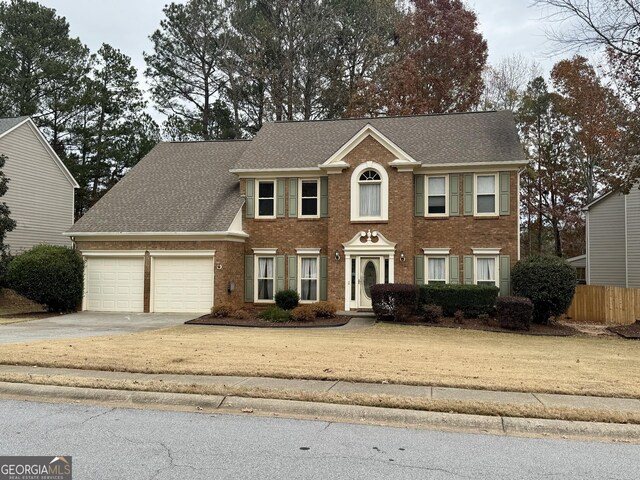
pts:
pixel 468 269
pixel 505 179
pixel 454 269
pixel 248 278
pixel 324 197
pixel 468 194
pixel 250 188
pixel 454 195
pixel 279 273
pixel 293 197
pixel 419 196
pixel 293 272
pixel 418 269
pixel 505 275
pixel 324 277
pixel 280 182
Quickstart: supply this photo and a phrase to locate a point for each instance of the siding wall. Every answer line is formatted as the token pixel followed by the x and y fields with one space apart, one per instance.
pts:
pixel 40 196
pixel 633 237
pixel 606 242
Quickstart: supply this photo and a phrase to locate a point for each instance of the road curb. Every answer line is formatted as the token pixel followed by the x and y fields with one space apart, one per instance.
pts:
pixel 324 411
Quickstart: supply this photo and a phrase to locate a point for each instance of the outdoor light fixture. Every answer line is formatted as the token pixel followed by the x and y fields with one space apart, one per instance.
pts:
pixel 219 266
pixel 337 255
pixel 231 287
pixel 402 257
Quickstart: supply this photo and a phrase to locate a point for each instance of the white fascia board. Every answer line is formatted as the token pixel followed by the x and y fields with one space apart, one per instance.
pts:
pixel 159 236
pixel 470 167
pixel 366 131
pixel 276 172
pixel 112 253
pixel 597 200
pixel 14 127
pixel 182 253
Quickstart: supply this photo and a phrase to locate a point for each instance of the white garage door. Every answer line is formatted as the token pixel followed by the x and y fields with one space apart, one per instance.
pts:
pixel 115 284
pixel 182 284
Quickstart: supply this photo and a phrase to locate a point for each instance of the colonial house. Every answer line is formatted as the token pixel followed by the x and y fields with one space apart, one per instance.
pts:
pixel 41 189
pixel 327 208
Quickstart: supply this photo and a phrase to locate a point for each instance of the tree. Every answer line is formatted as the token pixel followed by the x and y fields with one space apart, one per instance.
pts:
pixel 38 58
pixel 435 67
pixel 614 24
pixel 184 69
pixel 6 223
pixel 505 82
pixel 112 132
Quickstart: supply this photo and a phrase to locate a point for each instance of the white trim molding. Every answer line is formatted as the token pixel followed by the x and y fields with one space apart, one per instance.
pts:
pixel 446 196
pixel 257 198
pixel 308 251
pixel 227 236
pixel 315 257
pixel 264 251
pixel 308 180
pixel 486 251
pixel 355 192
pixel 112 253
pixel 182 253
pixel 441 256
pixel 496 194
pixel 436 251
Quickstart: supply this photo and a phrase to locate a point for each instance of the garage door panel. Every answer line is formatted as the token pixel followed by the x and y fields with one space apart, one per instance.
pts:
pixel 182 284
pixel 115 284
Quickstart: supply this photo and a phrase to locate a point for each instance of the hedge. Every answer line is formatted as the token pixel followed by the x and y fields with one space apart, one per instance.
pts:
pixel 394 301
pixel 514 313
pixel 473 300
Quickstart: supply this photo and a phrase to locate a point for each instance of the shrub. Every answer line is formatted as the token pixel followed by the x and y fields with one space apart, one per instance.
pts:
pixel 50 275
pixel 485 317
pixel 432 313
pixel 325 309
pixel 287 299
pixel 5 260
pixel 222 310
pixel 394 300
pixel 458 316
pixel 515 313
pixel 303 313
pixel 276 314
pixel 549 282
pixel 473 300
pixel 240 314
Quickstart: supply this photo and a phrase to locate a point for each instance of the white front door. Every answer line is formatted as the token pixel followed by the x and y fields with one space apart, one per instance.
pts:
pixel 369 276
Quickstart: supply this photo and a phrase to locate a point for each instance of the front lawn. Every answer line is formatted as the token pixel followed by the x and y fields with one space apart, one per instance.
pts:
pixel 382 353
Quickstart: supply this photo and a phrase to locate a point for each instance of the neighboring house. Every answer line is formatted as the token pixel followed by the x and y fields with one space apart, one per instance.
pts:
pixel 580 264
pixel 41 189
pixel 613 240
pixel 328 208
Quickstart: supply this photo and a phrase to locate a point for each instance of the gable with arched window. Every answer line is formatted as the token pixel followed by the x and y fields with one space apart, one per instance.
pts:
pixel 369 193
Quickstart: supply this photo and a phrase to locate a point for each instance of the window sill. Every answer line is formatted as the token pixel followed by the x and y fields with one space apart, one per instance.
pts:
pixel 307 218
pixel 369 220
pixel 491 216
pixel 436 217
pixel 265 301
pixel 263 219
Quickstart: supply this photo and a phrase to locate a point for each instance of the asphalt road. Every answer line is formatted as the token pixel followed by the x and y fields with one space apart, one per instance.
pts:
pixel 145 444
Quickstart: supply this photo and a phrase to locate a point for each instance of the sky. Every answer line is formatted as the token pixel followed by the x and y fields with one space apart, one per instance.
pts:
pixel 509 26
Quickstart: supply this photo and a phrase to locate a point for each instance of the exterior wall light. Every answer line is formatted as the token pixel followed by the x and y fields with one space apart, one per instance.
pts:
pixel 231 287
pixel 337 255
pixel 402 257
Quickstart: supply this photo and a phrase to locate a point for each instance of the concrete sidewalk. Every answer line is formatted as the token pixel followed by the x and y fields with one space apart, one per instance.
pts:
pixel 547 400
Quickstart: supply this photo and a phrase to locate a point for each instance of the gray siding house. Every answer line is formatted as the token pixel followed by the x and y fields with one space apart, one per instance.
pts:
pixel 613 240
pixel 41 189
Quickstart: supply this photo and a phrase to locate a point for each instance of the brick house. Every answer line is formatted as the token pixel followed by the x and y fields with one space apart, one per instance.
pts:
pixel 327 208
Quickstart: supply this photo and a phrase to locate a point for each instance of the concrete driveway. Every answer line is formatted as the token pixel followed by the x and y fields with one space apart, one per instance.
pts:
pixel 89 324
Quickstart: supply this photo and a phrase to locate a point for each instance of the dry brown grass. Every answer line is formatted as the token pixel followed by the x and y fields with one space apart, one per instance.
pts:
pixel 389 401
pixel 391 353
pixel 15 308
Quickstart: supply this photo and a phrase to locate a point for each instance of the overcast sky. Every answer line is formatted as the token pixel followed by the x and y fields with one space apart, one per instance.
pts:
pixel 510 26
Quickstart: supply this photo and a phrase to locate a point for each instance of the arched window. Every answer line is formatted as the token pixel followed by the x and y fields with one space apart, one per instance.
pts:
pixel 369 192
pixel 370 185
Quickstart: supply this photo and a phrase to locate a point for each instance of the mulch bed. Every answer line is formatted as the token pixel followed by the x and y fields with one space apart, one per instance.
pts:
pixel 627 331
pixel 555 330
pixel 257 322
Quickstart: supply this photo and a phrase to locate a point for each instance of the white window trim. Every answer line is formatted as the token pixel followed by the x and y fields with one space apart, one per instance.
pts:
pixel 446 267
pixel 355 193
pixel 308 180
pixel 496 195
pixel 256 262
pixel 257 197
pixel 496 272
pixel 446 196
pixel 317 258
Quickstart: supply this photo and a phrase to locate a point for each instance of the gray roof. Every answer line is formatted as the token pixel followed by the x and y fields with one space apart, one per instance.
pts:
pixel 177 187
pixel 7 124
pixel 429 139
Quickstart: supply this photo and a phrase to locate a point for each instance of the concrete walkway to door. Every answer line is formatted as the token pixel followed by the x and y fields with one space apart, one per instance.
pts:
pixel 89 324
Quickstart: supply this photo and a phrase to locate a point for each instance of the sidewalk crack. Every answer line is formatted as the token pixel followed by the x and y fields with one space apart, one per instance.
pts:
pixel 536 397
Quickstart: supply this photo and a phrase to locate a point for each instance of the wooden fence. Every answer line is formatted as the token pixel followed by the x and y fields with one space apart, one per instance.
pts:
pixel 609 305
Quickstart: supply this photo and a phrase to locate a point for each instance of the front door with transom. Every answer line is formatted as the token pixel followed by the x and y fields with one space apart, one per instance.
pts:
pixel 369 276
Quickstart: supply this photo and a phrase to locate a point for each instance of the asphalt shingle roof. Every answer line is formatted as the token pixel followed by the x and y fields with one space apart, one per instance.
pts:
pixel 8 123
pixel 177 187
pixel 429 139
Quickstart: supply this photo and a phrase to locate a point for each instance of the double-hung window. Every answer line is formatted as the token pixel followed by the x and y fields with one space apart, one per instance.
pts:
pixel 309 198
pixel 486 271
pixel 437 196
pixel 486 196
pixel 370 186
pixel 266 198
pixel 436 270
pixel 265 278
pixel 309 279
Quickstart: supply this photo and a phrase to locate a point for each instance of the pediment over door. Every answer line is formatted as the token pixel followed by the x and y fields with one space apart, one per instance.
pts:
pixel 369 242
